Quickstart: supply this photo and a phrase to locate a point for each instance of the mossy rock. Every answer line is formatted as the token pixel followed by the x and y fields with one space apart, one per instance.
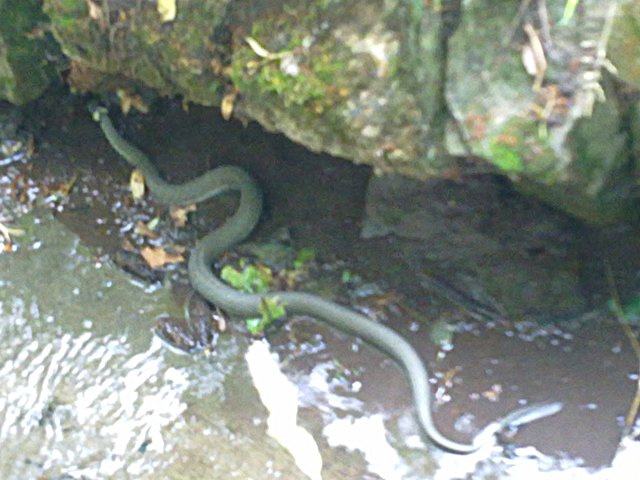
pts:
pixel 566 140
pixel 342 78
pixel 374 82
pixel 624 43
pixel 131 40
pixel 24 70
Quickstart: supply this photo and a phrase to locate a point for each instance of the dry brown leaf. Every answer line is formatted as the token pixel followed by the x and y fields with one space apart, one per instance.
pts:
pixel 136 184
pixel 126 245
pixel 57 192
pixel 167 10
pixel 179 249
pixel 144 230
pixel 529 61
pixel 96 13
pixel 130 100
pixel 65 188
pixel 30 147
pixel 226 107
pixel 179 214
pixel 9 149
pixel 5 234
pixel 216 66
pixel 493 393
pixel 220 319
pixel 157 257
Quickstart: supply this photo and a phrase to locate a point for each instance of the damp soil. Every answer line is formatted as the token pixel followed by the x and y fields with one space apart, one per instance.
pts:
pixel 488 365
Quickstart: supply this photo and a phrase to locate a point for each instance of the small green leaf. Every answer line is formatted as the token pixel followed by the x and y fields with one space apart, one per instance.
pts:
pixel 346 276
pixel 304 256
pixel 271 308
pixel 631 309
pixel 441 333
pixel 232 276
pixel 251 279
pixel 254 325
pixel 569 10
pixel 153 224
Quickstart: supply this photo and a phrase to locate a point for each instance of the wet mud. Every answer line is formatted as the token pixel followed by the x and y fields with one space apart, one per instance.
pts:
pixel 482 365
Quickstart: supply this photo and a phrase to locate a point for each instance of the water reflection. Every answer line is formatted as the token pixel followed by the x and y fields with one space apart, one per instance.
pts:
pixel 87 392
pixel 368 435
pixel 527 463
pixel 82 405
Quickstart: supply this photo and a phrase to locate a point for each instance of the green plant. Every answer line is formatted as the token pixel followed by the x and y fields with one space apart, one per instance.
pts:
pixel 569 10
pixel 505 157
pixel 271 309
pixel 304 257
pixel 251 279
pixel 630 310
pixel 255 279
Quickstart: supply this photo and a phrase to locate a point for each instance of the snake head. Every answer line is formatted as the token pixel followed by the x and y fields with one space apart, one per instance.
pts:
pixel 97 111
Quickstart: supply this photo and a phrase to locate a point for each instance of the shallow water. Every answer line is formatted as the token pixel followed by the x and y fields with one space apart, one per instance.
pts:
pixel 87 391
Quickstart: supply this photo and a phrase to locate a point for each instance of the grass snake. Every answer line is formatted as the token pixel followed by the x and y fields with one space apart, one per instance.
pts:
pixel 236 228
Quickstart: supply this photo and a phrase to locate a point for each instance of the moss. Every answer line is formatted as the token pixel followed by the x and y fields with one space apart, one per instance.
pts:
pixel 601 171
pixel 66 17
pixel 505 157
pixel 318 61
pixel 23 67
pixel 174 58
pixel 177 58
pixel 518 148
pixel 625 42
pixel 72 6
pixel 66 23
pixel 77 33
pixel 269 79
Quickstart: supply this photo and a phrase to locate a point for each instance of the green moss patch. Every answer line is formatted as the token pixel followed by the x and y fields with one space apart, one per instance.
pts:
pixel 24 71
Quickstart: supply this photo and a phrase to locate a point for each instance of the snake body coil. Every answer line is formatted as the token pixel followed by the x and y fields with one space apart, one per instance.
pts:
pixel 237 228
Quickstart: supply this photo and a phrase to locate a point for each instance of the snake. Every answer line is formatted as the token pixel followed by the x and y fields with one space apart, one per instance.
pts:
pixel 236 228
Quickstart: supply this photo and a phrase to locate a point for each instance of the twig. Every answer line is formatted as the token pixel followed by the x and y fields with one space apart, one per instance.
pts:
pixel 6 232
pixel 513 28
pixel 537 51
pixel 591 90
pixel 635 344
pixel 545 27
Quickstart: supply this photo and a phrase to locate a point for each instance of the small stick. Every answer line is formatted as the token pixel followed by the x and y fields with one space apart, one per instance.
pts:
pixel 619 312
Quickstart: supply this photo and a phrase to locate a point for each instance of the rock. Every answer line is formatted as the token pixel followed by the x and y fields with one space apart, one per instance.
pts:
pixel 24 70
pixel 624 44
pixel 565 139
pixel 352 79
pixel 476 239
pixel 130 41
pixel 411 88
